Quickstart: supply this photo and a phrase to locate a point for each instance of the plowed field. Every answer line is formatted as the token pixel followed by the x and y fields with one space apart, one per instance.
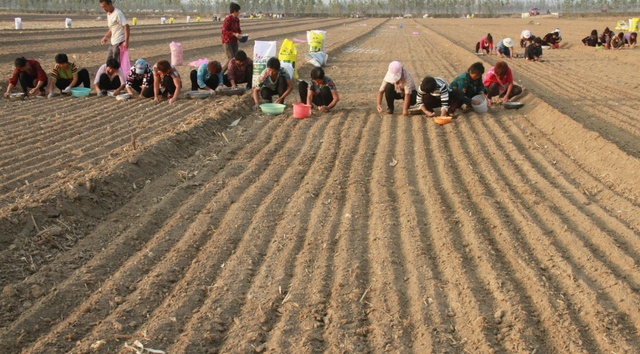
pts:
pixel 512 231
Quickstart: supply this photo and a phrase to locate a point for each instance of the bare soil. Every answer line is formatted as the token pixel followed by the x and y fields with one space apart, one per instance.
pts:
pixel 512 231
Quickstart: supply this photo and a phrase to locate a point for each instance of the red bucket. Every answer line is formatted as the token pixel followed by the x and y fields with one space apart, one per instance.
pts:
pixel 301 110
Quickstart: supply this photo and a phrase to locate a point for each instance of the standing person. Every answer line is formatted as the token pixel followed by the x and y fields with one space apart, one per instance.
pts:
pixel 434 92
pixel 505 48
pixel 118 30
pixel 397 85
pixel 206 77
pixel 591 40
pixel 231 31
pixel 470 84
pixel 30 75
pixel 65 75
pixel 166 81
pixel 499 82
pixel 534 50
pixel 140 79
pixel 274 80
pixel 239 70
pixel 320 91
pixel 485 44
pixel 631 39
pixel 109 77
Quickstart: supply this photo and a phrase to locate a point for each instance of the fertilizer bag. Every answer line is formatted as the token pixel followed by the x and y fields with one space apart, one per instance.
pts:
pixel 176 53
pixel 262 51
pixel 289 54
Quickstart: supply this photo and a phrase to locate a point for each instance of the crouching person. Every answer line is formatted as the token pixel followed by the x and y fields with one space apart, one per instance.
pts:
pixel 109 77
pixel 320 91
pixel 166 81
pixel 66 75
pixel 434 92
pixel 140 79
pixel 239 70
pixel 397 84
pixel 29 74
pixel 499 82
pixel 206 77
pixel 273 81
pixel 470 84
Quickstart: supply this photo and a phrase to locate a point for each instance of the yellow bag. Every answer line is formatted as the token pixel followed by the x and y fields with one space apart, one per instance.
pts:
pixel 316 41
pixel 634 25
pixel 289 54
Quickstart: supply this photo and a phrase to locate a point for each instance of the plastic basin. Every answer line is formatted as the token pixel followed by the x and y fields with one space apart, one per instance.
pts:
pixel 301 110
pixel 479 108
pixel 442 120
pixel 80 91
pixel 272 108
pixel 244 38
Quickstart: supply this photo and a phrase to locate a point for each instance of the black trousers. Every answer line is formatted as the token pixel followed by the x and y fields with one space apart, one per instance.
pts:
pixel 105 83
pixel 391 95
pixel 28 82
pixel 83 78
pixel 169 85
pixel 148 91
pixel 212 82
pixel 456 100
pixel 494 90
pixel 281 87
pixel 248 75
pixel 322 99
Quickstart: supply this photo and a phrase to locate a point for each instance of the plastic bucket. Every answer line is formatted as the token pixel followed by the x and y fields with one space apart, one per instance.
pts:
pixel 301 110
pixel 188 19
pixel 482 107
pixel 67 23
pixel 163 20
pixel 18 22
pixel 134 21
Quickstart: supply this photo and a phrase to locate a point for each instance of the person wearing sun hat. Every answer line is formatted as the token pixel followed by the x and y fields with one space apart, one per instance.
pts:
pixel 504 48
pixel 526 38
pixel 140 78
pixel 397 84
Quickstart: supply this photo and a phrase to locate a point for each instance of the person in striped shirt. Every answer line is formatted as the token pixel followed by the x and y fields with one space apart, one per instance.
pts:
pixel 66 75
pixel 434 92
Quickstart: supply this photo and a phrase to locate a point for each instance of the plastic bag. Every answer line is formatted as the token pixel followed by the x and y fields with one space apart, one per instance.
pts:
pixel 262 52
pixel 317 59
pixel 316 40
pixel 125 64
pixel 289 54
pixel 176 53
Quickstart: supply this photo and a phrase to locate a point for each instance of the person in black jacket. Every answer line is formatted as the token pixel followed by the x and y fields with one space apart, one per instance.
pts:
pixel 533 52
pixel 591 40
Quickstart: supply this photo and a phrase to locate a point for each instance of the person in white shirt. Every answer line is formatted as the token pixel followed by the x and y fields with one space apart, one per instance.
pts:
pixel 118 30
pixel 109 77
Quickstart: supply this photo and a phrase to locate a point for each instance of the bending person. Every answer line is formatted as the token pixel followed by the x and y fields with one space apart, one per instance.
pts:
pixel 109 77
pixel 140 79
pixel 397 85
pixel 320 91
pixel 273 81
pixel 499 82
pixel 29 74
pixel 206 77
pixel 239 70
pixel 66 75
pixel 166 81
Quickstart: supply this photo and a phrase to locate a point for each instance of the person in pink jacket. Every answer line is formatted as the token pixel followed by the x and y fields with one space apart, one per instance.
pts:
pixel 485 45
pixel 499 82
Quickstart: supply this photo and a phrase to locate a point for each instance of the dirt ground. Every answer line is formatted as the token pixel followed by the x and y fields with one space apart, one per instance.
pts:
pixel 512 231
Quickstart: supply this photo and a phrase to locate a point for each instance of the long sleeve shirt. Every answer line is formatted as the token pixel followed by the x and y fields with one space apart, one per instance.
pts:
pixel 468 86
pixel 230 25
pixel 35 72
pixel 484 44
pixel 133 76
pixel 442 88
pixel 236 73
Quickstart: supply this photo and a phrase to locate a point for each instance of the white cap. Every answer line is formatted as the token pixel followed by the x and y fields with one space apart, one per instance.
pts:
pixel 394 73
pixel 508 42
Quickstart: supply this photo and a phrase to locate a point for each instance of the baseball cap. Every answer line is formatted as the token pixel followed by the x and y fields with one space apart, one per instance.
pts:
pixel 508 42
pixel 141 65
pixel 394 73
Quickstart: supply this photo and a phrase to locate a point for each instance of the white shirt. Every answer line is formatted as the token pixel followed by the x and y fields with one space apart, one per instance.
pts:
pixel 103 70
pixel 116 22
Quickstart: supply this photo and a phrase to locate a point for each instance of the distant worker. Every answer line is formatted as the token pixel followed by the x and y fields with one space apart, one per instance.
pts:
pixel 485 45
pixel 118 31
pixel 231 31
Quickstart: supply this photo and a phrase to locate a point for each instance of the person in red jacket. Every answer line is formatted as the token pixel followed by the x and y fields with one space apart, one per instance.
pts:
pixel 231 31
pixel 30 75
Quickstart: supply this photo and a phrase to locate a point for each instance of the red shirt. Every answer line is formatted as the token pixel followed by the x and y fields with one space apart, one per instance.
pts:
pixel 231 25
pixel 36 72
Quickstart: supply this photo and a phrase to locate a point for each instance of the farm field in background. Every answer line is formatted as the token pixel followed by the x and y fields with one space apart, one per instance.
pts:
pixel 512 231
